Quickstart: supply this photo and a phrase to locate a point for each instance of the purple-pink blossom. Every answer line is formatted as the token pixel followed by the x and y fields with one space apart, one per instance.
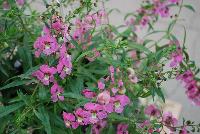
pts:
pixel 64 66
pixel 70 120
pixel 45 44
pixel 103 97
pixel 152 110
pixel 122 129
pixel 56 92
pixel 88 93
pixel 20 2
pixel 82 116
pixel 97 112
pixel 169 120
pixel 119 102
pixel 45 74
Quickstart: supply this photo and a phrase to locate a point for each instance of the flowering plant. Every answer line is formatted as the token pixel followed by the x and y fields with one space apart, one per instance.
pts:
pixel 85 75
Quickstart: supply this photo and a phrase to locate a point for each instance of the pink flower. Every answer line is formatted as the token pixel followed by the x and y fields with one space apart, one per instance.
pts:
pixel 164 11
pixel 183 131
pixel 192 91
pixel 88 93
pixel 119 102
pixel 104 97
pixel 20 2
pixel 114 90
pixel 169 120
pixel 56 92
pixel 96 128
pixel 6 5
pixel 63 52
pixel 152 110
pixel 64 66
pixel 177 58
pixel 97 112
pixel 133 78
pixel 82 116
pixel 112 71
pixel 101 85
pixel 120 83
pixel 45 74
pixel 144 21
pixel 146 123
pixel 70 120
pixel 122 129
pixel 46 45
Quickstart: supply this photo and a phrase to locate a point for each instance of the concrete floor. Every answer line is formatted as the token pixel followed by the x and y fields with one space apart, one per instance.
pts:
pixel 174 90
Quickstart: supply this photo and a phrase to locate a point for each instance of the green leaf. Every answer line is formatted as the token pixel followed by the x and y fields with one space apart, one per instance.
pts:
pixel 83 55
pixel 190 7
pixel 75 96
pixel 43 116
pixel 16 83
pixel 25 55
pixel 42 93
pixel 5 110
pixel 138 47
pixel 160 94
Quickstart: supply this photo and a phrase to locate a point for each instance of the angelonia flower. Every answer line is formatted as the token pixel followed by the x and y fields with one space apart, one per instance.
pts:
pixel 165 119
pixel 45 74
pixel 152 110
pixel 56 92
pixel 122 128
pixel 192 89
pixel 82 26
pixel 183 131
pixel 88 93
pixel 159 8
pixel 106 103
pixel 132 76
pixel 6 5
pixel 20 2
pixel 101 85
pixel 70 120
pixel 97 128
pixel 176 56
pixel 169 120
pixel 45 44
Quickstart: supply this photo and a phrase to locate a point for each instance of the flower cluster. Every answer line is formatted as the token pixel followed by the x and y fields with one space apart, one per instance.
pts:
pixel 166 119
pixel 176 56
pixel 191 85
pixel 150 11
pixel 48 45
pixel 89 22
pixel 107 101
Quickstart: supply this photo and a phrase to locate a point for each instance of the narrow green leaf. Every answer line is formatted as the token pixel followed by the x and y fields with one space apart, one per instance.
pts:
pixel 138 47
pixel 43 116
pixel 5 110
pixel 16 83
pixel 190 7
pixel 160 94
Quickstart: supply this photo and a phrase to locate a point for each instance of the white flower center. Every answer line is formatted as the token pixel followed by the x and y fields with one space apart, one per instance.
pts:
pixel 47 46
pixel 117 104
pixel 67 123
pixel 46 77
pixel 94 115
pixel 66 69
pixel 79 119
